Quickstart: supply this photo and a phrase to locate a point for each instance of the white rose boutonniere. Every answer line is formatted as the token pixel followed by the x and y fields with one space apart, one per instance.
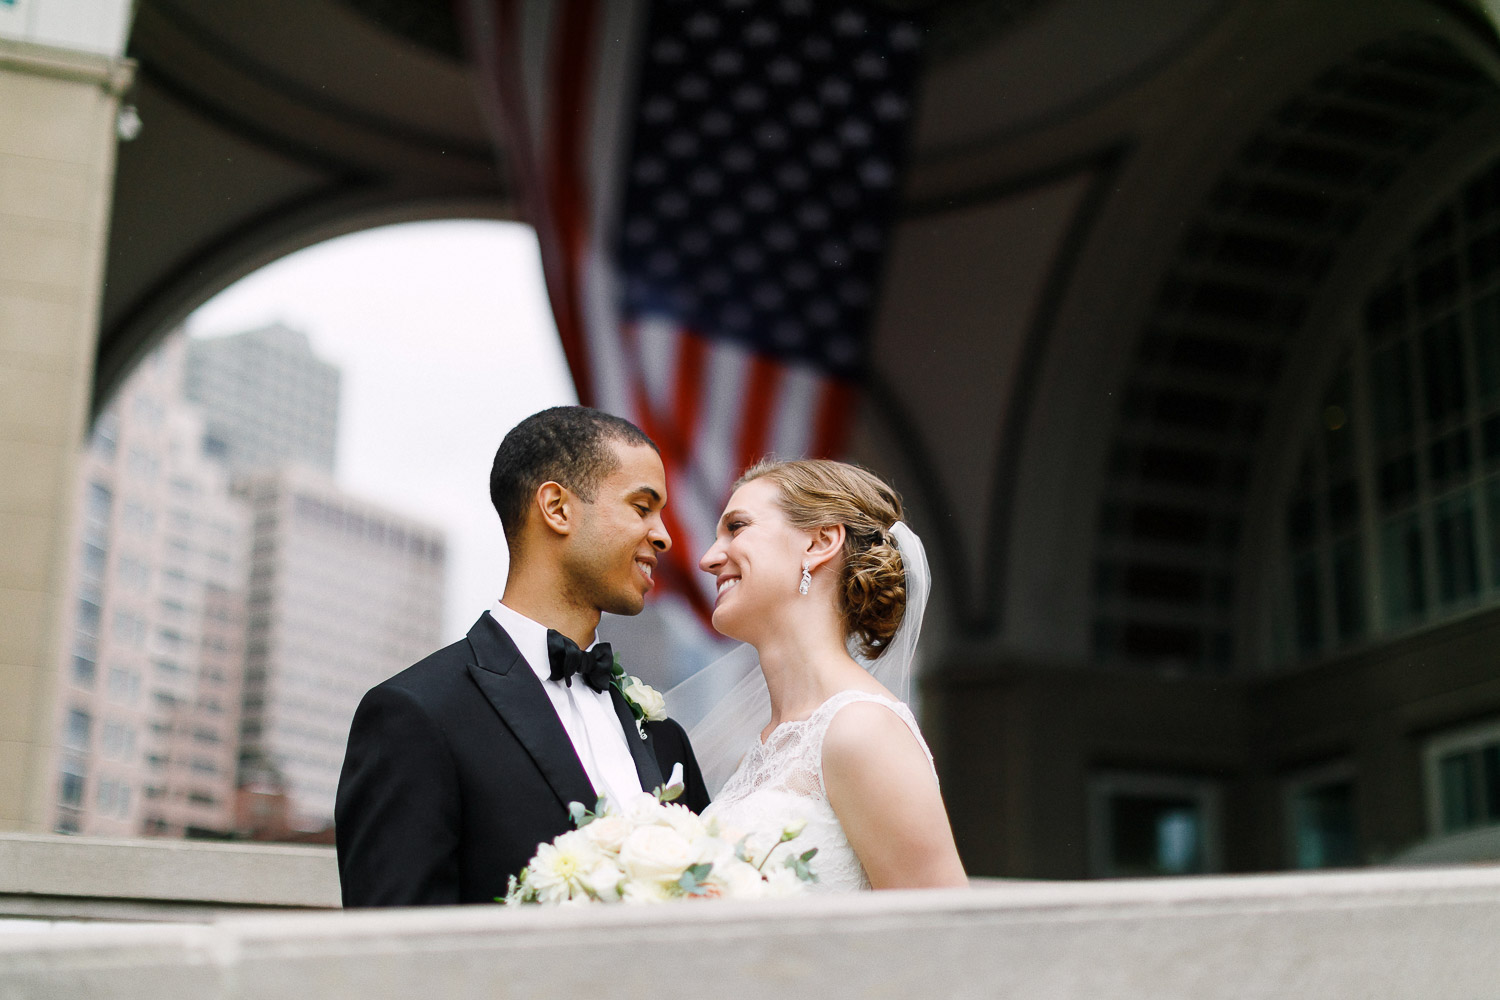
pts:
pixel 646 703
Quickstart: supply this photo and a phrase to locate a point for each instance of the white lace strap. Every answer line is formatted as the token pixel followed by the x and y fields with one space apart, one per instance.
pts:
pixel 831 707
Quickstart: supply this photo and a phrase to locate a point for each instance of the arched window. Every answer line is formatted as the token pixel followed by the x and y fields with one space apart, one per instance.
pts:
pixel 1393 522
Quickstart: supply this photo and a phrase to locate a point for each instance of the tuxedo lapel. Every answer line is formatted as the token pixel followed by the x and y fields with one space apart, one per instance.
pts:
pixel 515 693
pixel 641 750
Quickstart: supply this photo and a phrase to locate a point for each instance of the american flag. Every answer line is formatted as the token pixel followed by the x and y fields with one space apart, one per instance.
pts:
pixel 713 186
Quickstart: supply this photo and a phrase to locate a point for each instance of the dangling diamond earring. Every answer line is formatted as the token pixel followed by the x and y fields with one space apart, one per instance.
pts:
pixel 806 580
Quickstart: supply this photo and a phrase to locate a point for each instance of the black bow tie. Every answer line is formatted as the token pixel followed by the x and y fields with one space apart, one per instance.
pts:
pixel 595 665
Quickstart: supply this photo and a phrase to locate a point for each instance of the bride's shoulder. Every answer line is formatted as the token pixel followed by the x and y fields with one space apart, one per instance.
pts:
pixel 866 728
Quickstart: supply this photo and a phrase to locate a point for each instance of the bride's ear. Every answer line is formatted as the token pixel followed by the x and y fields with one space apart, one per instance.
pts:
pixel 824 543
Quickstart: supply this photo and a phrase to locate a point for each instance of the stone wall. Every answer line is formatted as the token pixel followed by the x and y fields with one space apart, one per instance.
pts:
pixel 1408 934
pixel 86 878
pixel 57 155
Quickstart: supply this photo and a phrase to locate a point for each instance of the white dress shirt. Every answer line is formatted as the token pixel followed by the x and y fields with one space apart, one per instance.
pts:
pixel 587 715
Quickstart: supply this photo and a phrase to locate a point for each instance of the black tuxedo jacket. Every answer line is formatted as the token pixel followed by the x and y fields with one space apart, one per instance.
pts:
pixel 458 767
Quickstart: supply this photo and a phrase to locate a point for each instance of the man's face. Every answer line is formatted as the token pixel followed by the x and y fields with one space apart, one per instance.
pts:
pixel 613 553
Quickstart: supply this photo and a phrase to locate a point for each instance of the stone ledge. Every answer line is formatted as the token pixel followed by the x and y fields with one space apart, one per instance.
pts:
pixel 1407 934
pixel 114 75
pixel 45 875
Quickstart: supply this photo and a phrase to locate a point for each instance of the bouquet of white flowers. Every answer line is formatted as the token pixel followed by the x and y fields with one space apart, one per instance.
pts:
pixel 652 850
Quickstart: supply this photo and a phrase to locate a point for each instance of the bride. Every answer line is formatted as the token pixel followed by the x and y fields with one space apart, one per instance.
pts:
pixel 812 561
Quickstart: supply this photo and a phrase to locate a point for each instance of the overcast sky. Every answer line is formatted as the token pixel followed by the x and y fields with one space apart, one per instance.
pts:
pixel 445 339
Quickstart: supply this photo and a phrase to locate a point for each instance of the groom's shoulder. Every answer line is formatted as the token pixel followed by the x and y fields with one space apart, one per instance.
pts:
pixel 435 676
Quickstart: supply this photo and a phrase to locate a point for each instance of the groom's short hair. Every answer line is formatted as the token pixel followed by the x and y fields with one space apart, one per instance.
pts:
pixel 568 445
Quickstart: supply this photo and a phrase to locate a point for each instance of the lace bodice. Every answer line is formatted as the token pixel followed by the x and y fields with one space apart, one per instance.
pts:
pixel 781 780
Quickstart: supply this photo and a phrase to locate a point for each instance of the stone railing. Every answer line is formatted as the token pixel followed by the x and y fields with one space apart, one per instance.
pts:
pixel 83 878
pixel 1408 934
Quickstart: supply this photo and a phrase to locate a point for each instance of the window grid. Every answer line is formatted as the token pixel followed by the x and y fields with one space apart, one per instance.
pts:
pixel 1216 338
pixel 1393 523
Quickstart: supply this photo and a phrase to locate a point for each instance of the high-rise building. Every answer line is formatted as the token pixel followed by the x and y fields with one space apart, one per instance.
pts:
pixel 149 692
pixel 343 593
pixel 267 398
pixel 231 603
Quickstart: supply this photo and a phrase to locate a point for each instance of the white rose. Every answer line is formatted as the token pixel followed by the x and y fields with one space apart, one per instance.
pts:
pixel 646 697
pixel 645 892
pixel 656 854
pixel 781 882
pixel 683 820
pixel 741 881
pixel 603 880
pixel 711 850
pixel 608 832
pixel 641 809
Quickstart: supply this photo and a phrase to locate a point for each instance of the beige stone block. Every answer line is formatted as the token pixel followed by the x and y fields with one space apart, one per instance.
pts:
pixel 245 874
pixel 44 253
pixel 18 713
pixel 15 765
pixel 27 546
pixel 39 406
pixel 37 477
pixel 38 189
pixel 43 329
pixel 24 615
pixel 53 119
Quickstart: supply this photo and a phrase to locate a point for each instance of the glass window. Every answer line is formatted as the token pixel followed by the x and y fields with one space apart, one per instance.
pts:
pixel 1309 603
pixel 83 670
pixel 1486 317
pixel 1147 825
pixel 1492 515
pixel 88 616
pixel 103 439
pixel 70 784
pixel 1403 570
pixel 1444 390
pixel 1457 565
pixel 76 735
pixel 1394 413
pixel 1322 823
pixel 1349 588
pixel 100 500
pixel 1463 779
pixel 1410 425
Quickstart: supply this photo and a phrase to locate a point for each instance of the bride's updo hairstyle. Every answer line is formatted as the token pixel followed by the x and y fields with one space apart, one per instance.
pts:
pixel 816 493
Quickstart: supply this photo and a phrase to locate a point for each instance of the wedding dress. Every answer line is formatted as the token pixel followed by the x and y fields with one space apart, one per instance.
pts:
pixel 780 782
pixel 760 787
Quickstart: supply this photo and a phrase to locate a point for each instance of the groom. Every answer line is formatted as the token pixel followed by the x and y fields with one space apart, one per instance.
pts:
pixel 459 766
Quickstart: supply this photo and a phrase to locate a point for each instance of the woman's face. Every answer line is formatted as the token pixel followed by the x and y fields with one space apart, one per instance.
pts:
pixel 756 560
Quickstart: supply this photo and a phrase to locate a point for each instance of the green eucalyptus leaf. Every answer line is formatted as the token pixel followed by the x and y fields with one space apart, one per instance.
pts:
pixel 691 882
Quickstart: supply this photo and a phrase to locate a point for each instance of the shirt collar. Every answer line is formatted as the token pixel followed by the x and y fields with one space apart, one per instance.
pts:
pixel 530 638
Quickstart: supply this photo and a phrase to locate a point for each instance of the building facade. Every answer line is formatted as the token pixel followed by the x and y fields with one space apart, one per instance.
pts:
pixel 267 399
pixel 343 593
pixel 149 680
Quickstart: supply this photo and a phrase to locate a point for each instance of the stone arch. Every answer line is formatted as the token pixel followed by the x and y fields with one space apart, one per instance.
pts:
pixel 245 250
pixel 1223 324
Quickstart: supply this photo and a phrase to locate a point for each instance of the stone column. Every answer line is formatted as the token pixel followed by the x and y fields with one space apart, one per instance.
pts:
pixel 61 74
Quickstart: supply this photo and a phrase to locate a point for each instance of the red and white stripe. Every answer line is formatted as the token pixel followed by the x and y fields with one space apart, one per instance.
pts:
pixel 557 73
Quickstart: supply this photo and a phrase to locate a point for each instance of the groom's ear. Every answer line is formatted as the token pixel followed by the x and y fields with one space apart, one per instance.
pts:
pixel 825 543
pixel 555 505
